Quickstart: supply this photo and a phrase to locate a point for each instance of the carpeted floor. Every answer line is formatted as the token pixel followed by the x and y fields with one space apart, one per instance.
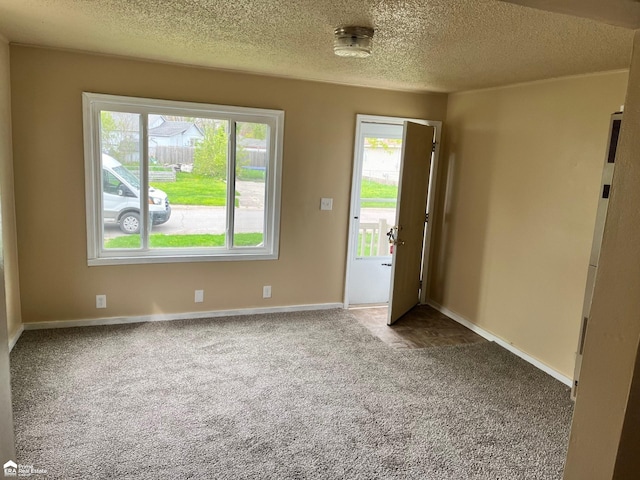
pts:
pixel 304 395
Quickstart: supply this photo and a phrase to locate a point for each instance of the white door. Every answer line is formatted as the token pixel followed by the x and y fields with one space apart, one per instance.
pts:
pixel 409 229
pixel 373 210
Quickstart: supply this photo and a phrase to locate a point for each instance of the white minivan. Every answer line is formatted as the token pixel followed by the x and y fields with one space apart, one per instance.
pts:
pixel 121 198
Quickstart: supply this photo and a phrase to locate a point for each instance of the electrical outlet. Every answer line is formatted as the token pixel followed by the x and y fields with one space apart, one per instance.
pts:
pixel 199 298
pixel 326 204
pixel 101 301
pixel 266 291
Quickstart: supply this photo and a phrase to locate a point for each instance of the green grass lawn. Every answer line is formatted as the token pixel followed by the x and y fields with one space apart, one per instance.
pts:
pixel 375 190
pixel 192 189
pixel 250 174
pixel 159 240
pixel 371 204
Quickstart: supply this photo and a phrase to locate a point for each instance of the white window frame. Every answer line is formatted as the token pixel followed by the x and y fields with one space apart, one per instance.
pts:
pixel 94 103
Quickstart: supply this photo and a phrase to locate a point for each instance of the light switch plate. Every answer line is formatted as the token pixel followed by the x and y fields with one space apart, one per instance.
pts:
pixel 326 204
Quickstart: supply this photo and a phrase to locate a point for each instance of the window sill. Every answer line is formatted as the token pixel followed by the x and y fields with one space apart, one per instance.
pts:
pixel 185 258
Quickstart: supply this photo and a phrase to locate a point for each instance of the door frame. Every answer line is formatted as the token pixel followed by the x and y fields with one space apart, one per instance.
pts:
pixel 356 168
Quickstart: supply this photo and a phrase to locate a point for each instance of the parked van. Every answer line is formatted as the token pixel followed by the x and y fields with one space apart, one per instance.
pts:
pixel 121 198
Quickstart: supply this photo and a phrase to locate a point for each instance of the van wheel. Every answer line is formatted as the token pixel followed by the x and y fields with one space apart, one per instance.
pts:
pixel 130 223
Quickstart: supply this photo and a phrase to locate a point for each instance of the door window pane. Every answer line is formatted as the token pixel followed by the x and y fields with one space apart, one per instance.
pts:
pixel 378 194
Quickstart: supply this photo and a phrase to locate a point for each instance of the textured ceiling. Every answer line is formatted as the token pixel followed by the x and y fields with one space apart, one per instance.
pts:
pixel 434 45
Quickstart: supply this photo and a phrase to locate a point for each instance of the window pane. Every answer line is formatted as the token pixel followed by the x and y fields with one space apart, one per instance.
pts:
pixel 378 194
pixel 188 160
pixel 252 161
pixel 120 167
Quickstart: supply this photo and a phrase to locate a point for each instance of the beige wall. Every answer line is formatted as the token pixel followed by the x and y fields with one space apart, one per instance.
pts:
pixel 604 439
pixel 56 283
pixel 9 238
pixel 627 461
pixel 7 447
pixel 522 167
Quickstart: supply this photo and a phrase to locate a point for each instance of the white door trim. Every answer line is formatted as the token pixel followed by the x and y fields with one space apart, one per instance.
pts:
pixel 361 118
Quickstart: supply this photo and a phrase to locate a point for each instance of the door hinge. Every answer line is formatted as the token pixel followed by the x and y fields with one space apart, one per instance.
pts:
pixel 433 147
pixel 426 217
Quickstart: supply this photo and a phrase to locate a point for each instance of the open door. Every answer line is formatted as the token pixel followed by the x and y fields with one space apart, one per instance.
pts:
pixel 408 233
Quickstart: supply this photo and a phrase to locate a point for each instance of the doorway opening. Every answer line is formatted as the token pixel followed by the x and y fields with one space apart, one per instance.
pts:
pixel 380 146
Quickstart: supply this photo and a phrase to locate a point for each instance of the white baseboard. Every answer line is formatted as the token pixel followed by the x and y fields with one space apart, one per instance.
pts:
pixel 163 317
pixel 493 338
pixel 13 340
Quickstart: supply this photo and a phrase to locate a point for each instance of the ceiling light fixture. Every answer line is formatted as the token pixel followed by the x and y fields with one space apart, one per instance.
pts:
pixel 353 42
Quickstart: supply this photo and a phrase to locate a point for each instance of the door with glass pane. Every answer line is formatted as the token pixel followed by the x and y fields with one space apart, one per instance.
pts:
pixel 409 232
pixel 374 197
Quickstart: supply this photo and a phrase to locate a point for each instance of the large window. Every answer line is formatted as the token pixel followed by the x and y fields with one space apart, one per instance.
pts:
pixel 174 181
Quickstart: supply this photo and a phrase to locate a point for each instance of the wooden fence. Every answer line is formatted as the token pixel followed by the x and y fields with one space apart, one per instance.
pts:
pixel 165 155
pixel 172 155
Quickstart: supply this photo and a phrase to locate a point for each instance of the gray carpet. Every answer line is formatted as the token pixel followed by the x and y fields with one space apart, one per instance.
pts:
pixel 305 395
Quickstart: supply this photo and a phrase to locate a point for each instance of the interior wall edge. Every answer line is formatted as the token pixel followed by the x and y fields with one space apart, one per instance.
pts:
pixel 7 190
pixel 9 300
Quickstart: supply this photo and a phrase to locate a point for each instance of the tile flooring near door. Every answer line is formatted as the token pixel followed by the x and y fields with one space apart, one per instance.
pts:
pixel 422 327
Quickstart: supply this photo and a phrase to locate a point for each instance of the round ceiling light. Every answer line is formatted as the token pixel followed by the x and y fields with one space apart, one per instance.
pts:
pixel 353 42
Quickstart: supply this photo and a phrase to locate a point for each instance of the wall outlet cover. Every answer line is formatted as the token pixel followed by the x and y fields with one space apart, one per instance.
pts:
pixel 101 301
pixel 266 291
pixel 199 297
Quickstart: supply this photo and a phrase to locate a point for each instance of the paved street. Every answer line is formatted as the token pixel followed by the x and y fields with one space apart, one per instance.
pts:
pixel 199 219
pixel 186 219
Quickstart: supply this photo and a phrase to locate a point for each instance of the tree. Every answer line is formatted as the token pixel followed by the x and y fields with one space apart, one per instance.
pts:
pixel 109 132
pixel 386 144
pixel 119 135
pixel 210 156
pixel 252 130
